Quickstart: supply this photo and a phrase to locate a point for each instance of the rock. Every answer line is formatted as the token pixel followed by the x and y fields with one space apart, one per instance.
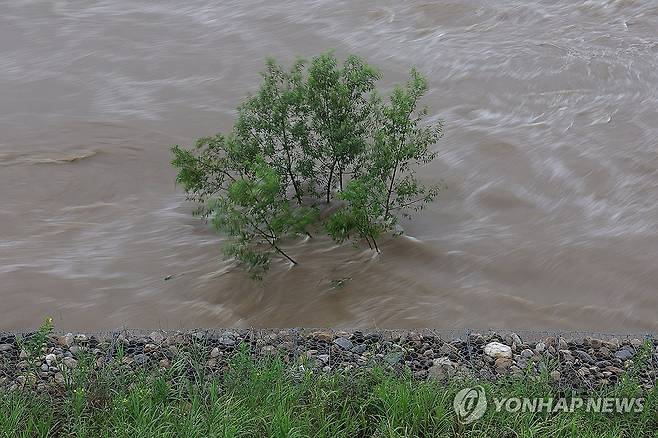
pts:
pixel 614 370
pixel 448 349
pixel 562 344
pixel 23 354
pixel 624 354
pixel 540 347
pixel 595 343
pixel 442 368
pixel 80 338
pixel 393 358
pixel 527 353
pixel 442 361
pixel 310 354
pixel 605 352
pixel 227 341
pixel 637 343
pixel 45 367
pixel 215 352
pixel 164 363
pixel 6 347
pixel 503 363
pixel 66 340
pixel 344 343
pixel 322 336
pixel 413 337
pixel 428 353
pixel 555 375
pixel 157 337
pixel 127 360
pixel 141 359
pixel 566 355
pixel 51 359
pixel 496 350
pixel 324 358
pixel 211 363
pixel 59 379
pixel 70 362
pixel 583 356
pixel 149 348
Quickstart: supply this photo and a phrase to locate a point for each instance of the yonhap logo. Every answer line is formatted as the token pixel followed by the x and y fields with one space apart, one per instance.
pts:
pixel 470 404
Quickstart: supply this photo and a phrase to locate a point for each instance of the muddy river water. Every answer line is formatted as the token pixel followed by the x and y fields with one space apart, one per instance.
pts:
pixel 550 157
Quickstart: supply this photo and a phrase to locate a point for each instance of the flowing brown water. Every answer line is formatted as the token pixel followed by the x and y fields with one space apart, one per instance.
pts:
pixel 550 157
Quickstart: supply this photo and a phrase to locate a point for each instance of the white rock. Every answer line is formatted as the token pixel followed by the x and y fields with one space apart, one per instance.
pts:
pixel 51 358
pixel 496 350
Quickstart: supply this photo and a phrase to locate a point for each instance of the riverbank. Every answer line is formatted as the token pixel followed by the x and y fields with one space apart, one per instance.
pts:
pixel 278 383
pixel 45 361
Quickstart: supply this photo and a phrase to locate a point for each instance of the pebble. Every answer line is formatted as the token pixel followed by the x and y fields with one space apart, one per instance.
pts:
pixel 624 354
pixel 344 343
pixel 393 358
pixel 496 350
pixel 322 336
pixel 141 359
pixel 70 362
pixel 157 337
pixel 527 353
pixel 50 359
pixel 448 349
pixel 6 347
pixel 502 363
pixel 583 356
pixel 66 340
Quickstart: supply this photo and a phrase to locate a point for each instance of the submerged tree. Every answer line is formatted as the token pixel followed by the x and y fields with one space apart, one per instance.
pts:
pixel 388 185
pixel 341 103
pixel 312 136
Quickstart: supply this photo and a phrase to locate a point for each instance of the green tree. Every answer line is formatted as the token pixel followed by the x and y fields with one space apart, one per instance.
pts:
pixel 273 123
pixel 255 211
pixel 312 133
pixel 341 102
pixel 389 186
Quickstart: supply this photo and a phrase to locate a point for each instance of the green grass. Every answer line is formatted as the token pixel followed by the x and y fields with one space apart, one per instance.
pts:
pixel 273 399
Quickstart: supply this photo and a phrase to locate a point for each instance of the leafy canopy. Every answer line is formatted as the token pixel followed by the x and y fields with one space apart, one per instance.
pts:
pixel 313 136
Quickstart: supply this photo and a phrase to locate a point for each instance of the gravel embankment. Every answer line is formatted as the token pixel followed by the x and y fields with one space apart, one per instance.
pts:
pixel 584 362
